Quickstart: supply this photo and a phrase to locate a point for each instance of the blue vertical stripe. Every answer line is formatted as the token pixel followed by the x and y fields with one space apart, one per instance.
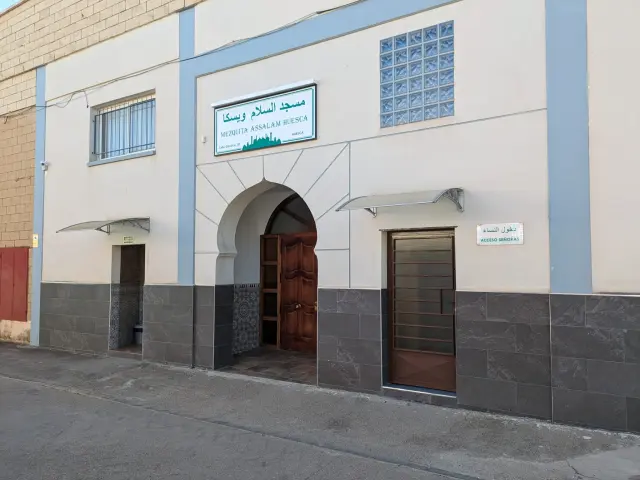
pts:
pixel 568 144
pixel 38 204
pixel 187 151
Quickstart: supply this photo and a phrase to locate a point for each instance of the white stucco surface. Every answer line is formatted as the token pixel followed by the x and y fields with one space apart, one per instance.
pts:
pixel 250 18
pixel 114 58
pixel 251 226
pixel 495 148
pixel 142 187
pixel 614 123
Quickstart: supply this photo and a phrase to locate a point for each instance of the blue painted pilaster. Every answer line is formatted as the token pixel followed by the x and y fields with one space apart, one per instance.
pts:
pixel 187 149
pixel 568 137
pixel 38 203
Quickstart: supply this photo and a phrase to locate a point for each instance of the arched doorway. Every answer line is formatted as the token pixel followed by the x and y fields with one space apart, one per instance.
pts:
pixel 276 283
pixel 289 278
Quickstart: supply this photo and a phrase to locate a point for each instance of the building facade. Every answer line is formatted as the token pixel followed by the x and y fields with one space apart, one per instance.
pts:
pixel 34 33
pixel 413 193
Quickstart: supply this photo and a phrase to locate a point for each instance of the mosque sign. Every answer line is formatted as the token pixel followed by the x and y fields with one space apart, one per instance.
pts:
pixel 270 121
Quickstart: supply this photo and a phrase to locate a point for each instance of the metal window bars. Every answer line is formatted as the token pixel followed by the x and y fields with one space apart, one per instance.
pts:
pixel 125 128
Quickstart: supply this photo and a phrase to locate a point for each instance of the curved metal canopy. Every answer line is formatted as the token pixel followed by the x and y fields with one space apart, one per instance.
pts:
pixel 104 226
pixel 371 203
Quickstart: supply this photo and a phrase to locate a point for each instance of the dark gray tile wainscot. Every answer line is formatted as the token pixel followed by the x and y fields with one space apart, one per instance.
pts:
pixel 595 374
pixel 168 324
pixel 75 316
pixel 503 361
pixel 350 339
pixel 203 341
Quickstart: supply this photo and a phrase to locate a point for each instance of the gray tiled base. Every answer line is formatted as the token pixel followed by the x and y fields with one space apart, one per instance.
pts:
pixel 75 317
pixel 578 365
pixel 168 324
pixel 596 360
pixel 223 326
pixel 503 356
pixel 349 339
pixel 203 331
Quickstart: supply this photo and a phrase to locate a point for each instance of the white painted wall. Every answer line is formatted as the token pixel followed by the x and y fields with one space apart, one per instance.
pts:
pixel 250 18
pixel 145 186
pixel 491 77
pixel 501 164
pixel 114 58
pixel 495 148
pixel 614 122
pixel 252 224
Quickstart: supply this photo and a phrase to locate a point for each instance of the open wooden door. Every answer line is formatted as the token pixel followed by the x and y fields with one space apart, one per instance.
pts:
pixel 299 291
pixel 422 308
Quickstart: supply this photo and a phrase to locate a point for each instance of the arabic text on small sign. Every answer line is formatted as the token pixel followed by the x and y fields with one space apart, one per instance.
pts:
pixel 500 234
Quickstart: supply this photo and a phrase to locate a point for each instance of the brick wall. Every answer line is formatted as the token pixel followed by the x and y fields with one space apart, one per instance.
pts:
pixel 17 159
pixel 37 32
pixel 18 92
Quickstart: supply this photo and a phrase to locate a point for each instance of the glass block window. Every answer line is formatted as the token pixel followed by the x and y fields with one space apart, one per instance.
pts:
pixel 417 76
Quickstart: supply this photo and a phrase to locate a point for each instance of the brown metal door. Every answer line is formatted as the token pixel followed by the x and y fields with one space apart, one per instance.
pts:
pixel 422 306
pixel 299 290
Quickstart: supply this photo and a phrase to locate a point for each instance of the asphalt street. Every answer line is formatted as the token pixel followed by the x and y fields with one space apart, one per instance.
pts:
pixel 65 416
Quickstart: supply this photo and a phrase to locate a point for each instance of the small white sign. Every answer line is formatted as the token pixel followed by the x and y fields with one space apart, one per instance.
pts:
pixel 278 119
pixel 501 234
pixel 127 240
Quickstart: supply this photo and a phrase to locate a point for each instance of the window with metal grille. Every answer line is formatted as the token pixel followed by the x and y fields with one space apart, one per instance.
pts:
pixel 125 128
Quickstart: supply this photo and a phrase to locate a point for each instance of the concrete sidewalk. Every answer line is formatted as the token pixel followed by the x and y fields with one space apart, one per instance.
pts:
pixel 65 416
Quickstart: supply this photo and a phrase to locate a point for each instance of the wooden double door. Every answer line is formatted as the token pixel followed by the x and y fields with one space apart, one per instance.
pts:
pixel 422 309
pixel 289 289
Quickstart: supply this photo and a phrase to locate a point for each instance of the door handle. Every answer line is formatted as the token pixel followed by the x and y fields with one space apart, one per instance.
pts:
pixel 298 306
pixel 315 306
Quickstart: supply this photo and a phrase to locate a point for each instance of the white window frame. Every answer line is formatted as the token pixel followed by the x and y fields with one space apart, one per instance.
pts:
pixel 99 145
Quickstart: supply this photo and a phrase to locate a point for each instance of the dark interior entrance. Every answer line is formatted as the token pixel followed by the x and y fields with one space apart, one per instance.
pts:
pixel 288 298
pixel 129 297
pixel 422 309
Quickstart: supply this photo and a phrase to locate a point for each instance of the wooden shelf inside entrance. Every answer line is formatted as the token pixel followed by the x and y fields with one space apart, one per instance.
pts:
pixel 269 290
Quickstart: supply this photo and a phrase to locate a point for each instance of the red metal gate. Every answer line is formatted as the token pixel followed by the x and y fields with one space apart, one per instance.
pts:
pixel 14 283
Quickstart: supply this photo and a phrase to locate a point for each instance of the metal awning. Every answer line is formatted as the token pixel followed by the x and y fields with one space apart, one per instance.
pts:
pixel 371 203
pixel 104 226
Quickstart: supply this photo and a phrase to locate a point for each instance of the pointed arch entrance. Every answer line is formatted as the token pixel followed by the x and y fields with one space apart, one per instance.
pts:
pixel 274 263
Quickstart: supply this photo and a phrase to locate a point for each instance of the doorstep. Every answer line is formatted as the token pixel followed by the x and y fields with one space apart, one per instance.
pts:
pixel 421 395
pixel 133 352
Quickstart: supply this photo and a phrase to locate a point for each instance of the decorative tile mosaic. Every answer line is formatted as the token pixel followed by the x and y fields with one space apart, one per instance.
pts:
pixel 421 64
pixel 246 317
pixel 125 312
pixel 114 318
